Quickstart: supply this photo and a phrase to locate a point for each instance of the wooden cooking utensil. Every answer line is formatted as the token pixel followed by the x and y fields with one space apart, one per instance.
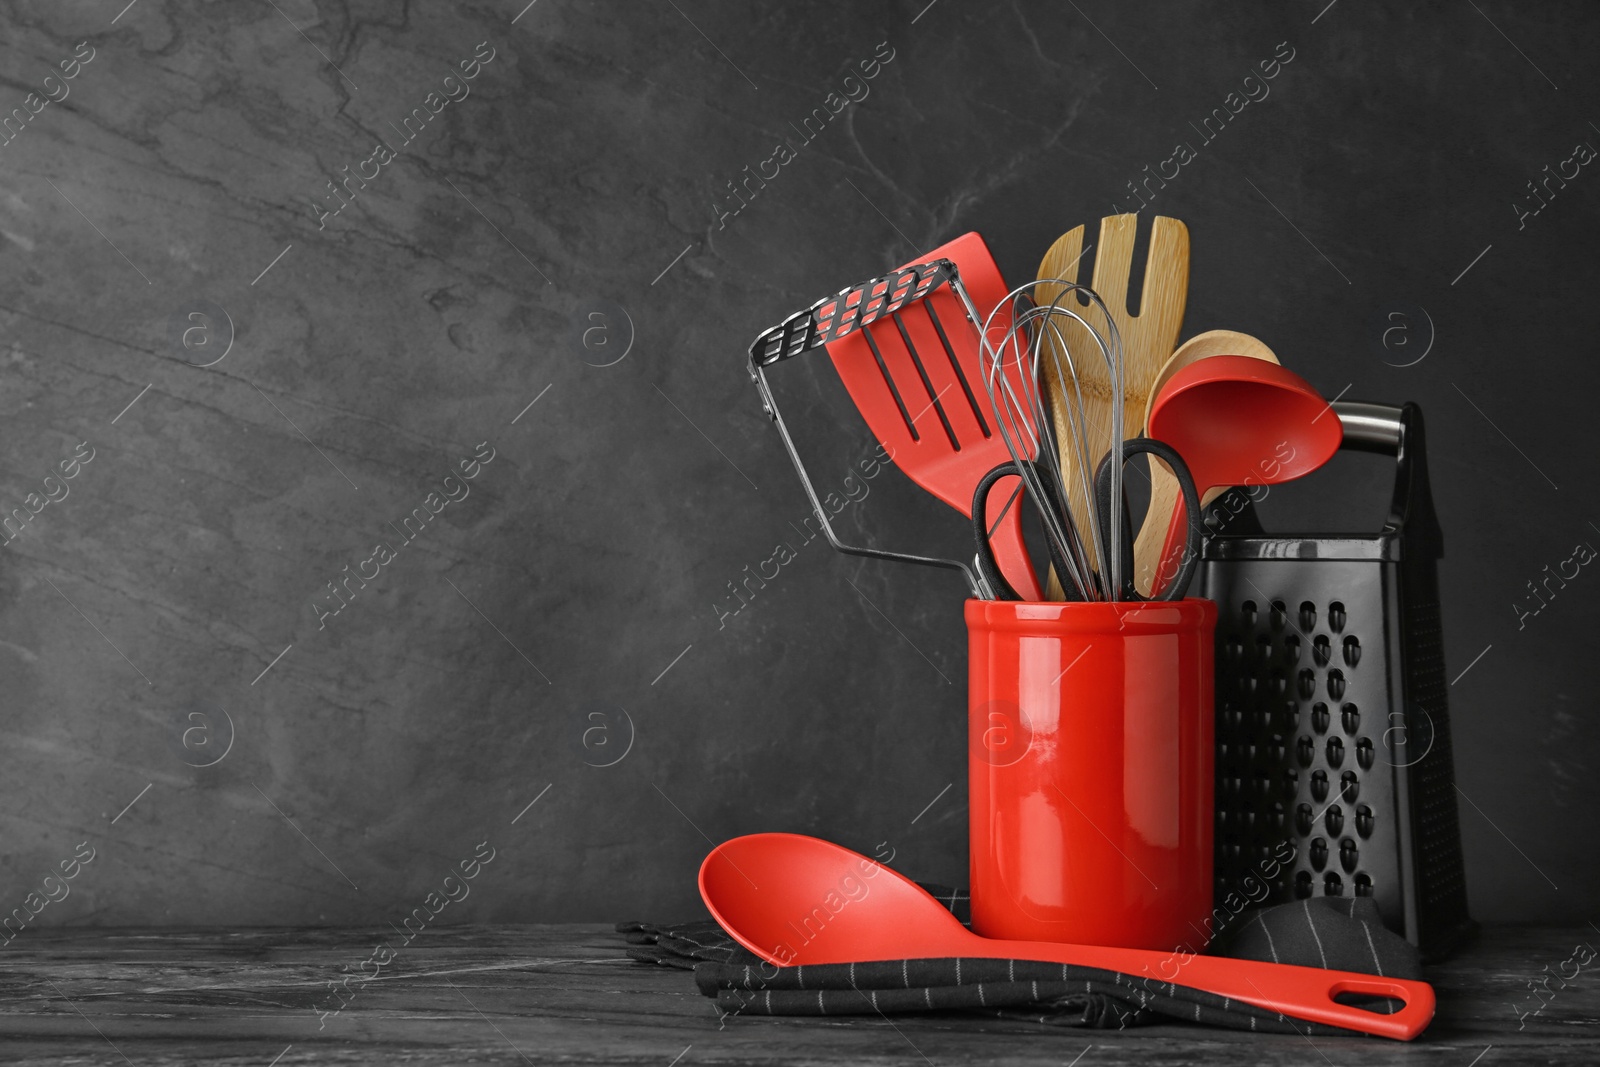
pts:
pixel 1163 486
pixel 1148 338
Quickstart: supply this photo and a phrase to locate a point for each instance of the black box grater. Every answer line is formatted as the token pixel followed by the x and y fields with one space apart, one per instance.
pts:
pixel 1333 731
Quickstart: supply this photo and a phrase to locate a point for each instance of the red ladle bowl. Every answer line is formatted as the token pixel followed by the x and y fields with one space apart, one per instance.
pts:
pixel 1237 420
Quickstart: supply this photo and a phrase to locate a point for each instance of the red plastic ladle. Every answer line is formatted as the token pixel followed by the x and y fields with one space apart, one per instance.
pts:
pixel 1237 420
pixel 793 899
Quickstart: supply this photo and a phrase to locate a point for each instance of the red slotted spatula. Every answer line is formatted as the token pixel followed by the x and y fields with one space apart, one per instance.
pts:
pixel 916 378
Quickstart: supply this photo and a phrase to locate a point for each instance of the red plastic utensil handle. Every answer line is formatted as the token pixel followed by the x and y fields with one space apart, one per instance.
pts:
pixel 1306 993
pixel 1172 550
pixel 1303 993
pixel 1010 550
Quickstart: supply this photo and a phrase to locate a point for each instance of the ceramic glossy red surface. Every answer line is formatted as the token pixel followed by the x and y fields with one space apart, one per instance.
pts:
pixel 1090 766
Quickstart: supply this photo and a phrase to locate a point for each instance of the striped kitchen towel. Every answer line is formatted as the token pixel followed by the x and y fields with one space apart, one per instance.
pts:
pixel 1332 932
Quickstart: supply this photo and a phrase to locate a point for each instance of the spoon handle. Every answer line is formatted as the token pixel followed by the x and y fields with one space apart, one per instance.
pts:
pixel 1304 993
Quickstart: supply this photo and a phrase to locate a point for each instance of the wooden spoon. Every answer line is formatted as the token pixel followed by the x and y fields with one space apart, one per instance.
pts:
pixel 1152 537
pixel 1148 339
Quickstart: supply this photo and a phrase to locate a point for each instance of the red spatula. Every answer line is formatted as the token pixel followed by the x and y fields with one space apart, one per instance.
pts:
pixel 907 348
pixel 915 377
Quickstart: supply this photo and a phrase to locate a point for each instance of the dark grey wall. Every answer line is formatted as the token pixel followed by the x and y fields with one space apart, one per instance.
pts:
pixel 574 601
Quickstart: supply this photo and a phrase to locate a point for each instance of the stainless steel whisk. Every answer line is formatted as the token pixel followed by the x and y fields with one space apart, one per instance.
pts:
pixel 1023 415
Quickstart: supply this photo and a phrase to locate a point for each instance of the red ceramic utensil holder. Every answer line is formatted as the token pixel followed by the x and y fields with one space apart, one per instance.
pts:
pixel 1091 771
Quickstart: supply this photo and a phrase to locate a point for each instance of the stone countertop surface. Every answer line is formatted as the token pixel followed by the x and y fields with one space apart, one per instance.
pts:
pixel 568 994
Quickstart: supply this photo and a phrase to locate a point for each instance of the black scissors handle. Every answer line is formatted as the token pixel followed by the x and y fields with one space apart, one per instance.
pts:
pixel 1179 585
pixel 987 567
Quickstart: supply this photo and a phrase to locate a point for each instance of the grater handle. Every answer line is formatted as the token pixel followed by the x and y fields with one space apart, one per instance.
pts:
pixel 1371 427
pixel 1397 431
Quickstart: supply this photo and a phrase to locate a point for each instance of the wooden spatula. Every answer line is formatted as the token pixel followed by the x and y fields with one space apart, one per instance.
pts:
pixel 1148 339
pixel 1163 486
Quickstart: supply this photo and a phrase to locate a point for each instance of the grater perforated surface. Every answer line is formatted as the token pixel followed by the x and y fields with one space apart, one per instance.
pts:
pixel 1297 759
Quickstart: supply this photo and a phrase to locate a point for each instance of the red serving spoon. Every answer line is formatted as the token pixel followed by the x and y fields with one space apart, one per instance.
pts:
pixel 796 900
pixel 1239 420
